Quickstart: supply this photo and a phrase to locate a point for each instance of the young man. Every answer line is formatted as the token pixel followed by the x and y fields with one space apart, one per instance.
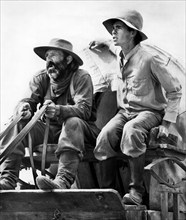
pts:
pixel 68 91
pixel 141 103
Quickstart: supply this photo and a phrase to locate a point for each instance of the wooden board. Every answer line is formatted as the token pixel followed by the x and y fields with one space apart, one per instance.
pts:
pixel 61 204
pixel 134 212
pixel 156 215
pixel 171 173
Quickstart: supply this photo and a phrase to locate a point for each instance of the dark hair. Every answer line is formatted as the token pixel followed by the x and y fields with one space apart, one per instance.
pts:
pixel 137 38
pixel 73 66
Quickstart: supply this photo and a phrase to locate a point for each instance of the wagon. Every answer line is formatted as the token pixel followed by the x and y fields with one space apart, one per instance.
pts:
pixel 164 176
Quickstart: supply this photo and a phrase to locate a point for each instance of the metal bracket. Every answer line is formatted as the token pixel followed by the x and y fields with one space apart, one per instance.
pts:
pixel 57 214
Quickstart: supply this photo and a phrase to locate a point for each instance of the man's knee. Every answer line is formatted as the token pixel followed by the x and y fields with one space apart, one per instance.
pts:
pixel 108 131
pixel 73 123
pixel 129 129
pixel 132 131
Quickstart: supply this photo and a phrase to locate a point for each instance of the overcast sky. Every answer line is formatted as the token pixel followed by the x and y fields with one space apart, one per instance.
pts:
pixel 27 24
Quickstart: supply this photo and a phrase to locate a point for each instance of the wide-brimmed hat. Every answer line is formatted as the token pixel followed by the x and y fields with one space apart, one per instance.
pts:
pixel 131 18
pixel 59 44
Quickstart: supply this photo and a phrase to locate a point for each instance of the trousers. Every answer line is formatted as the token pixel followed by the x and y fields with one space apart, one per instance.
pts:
pixel 127 133
pixel 73 134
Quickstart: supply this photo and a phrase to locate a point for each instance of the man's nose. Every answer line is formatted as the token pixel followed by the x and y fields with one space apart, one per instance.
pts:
pixel 113 31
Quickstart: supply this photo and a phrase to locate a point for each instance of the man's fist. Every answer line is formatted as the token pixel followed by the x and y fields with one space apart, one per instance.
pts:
pixel 24 109
pixel 52 110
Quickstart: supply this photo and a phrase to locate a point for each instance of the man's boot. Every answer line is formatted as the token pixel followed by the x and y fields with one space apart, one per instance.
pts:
pixel 108 170
pixel 9 172
pixel 66 174
pixel 136 188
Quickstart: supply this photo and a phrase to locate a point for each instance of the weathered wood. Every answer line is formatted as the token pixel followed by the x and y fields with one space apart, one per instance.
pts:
pixel 62 216
pixel 164 202
pixel 160 179
pixel 156 215
pixel 11 125
pixel 164 205
pixel 176 212
pixel 70 204
pixel 134 212
pixel 171 173
pixel 10 148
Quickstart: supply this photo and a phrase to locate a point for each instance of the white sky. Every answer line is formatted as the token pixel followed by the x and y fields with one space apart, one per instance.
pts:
pixel 27 24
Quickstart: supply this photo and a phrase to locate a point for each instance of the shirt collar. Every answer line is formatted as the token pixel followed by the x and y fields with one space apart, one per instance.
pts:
pixel 130 54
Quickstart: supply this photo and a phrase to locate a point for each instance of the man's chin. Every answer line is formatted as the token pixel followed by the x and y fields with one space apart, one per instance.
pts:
pixel 115 43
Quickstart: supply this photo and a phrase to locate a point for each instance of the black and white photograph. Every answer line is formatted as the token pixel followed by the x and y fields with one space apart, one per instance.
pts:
pixel 93 110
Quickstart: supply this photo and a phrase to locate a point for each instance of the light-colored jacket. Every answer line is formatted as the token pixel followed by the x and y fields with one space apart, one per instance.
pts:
pixel 145 83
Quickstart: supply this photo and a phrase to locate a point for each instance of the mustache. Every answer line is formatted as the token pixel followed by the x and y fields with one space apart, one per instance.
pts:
pixel 60 66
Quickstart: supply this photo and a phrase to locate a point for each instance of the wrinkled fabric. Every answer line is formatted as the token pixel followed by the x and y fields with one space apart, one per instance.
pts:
pixel 59 87
pixel 144 82
pixel 79 106
pixel 126 133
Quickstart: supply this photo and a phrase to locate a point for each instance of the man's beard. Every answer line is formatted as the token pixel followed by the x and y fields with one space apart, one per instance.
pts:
pixel 56 71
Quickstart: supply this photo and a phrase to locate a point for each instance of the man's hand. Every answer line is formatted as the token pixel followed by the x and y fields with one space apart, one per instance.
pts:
pixel 163 129
pixel 98 43
pixel 52 110
pixel 24 109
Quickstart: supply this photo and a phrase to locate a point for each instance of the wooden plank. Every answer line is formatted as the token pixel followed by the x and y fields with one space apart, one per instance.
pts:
pixel 176 206
pixel 164 205
pixel 156 215
pixel 70 204
pixel 134 212
pixel 172 174
pixel 62 216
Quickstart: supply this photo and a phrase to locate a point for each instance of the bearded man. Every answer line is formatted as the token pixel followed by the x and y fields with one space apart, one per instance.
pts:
pixel 68 93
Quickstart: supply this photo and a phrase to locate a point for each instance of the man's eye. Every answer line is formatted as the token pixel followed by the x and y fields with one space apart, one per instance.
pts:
pixel 117 28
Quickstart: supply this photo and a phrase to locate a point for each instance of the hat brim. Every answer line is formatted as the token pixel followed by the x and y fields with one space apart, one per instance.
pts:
pixel 109 26
pixel 41 51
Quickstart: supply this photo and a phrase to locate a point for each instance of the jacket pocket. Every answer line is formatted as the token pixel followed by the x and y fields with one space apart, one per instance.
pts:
pixel 139 87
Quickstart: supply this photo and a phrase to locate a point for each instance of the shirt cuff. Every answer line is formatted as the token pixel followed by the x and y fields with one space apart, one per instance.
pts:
pixel 170 116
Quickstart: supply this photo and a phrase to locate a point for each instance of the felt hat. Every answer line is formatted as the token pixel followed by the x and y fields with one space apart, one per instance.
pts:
pixel 59 44
pixel 131 18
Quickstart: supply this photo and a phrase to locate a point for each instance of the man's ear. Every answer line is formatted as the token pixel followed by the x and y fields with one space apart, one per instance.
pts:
pixel 69 59
pixel 134 32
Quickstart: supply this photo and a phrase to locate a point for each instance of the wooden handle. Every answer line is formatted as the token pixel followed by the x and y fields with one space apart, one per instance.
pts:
pixel 10 148
pixel 11 125
pixel 45 146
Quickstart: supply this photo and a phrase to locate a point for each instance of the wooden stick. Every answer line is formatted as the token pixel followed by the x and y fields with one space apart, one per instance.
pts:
pixel 45 146
pixel 11 125
pixel 10 148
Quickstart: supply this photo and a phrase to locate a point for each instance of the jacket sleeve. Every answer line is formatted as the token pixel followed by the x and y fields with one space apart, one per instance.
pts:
pixel 171 85
pixel 83 98
pixel 36 91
